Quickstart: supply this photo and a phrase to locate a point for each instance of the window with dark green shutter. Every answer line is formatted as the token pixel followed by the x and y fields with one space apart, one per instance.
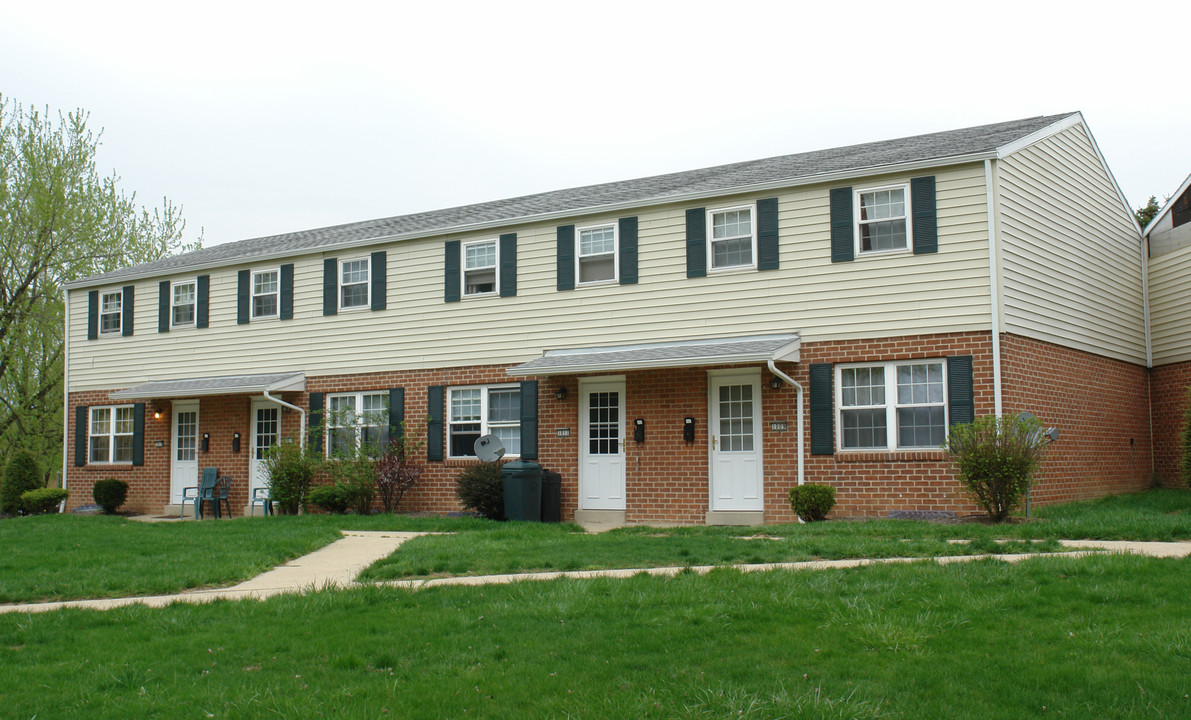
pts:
pixel 822 402
pixel 138 434
pixel 922 205
pixel 960 396
pixel 451 276
pixel 379 280
pixel 768 257
pixel 696 242
pixel 202 312
pixel 287 292
pixel 529 419
pixel 436 399
pixel 330 286
pixel 565 257
pixel 93 315
pixel 129 292
pixel 316 422
pixel 163 306
pixel 628 250
pixel 842 241
pixel 80 436
pixel 243 293
pixel 508 265
pixel 396 413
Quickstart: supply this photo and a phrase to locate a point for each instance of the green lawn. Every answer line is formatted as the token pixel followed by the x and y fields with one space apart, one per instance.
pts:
pixel 1098 637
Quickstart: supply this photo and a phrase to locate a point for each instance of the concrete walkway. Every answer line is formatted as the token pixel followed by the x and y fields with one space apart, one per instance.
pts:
pixel 338 564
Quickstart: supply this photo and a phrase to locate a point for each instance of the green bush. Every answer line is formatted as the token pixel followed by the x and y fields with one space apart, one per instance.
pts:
pixel 331 498
pixel 291 469
pixel 110 494
pixel 356 477
pixel 812 502
pixel 21 474
pixel 995 459
pixel 43 500
pixel 479 487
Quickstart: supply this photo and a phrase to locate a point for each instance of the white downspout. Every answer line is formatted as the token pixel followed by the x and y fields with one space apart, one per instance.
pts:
pixel 773 369
pixel 994 295
pixel 65 389
pixel 301 415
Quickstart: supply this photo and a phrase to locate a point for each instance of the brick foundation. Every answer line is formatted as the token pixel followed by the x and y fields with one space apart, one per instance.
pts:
pixel 1169 388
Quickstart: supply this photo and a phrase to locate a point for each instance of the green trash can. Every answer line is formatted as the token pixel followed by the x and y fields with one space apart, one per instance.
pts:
pixel 522 480
pixel 551 496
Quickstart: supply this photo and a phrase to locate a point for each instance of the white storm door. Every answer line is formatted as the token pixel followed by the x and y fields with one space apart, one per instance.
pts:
pixel 184 450
pixel 735 436
pixel 266 431
pixel 601 445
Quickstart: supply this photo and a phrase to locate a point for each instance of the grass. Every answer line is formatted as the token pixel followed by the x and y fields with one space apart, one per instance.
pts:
pixel 1101 637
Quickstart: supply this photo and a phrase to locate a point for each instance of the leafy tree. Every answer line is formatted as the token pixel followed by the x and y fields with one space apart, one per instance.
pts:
pixel 60 220
pixel 21 474
pixel 1146 212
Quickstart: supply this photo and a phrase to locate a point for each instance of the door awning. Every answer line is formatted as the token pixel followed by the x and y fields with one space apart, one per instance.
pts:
pixel 226 385
pixel 685 353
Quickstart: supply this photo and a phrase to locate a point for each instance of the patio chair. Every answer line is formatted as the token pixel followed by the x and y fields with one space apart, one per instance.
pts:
pixel 224 485
pixel 205 491
pixel 261 497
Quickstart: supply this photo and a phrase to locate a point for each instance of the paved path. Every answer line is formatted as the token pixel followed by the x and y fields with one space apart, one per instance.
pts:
pixel 338 564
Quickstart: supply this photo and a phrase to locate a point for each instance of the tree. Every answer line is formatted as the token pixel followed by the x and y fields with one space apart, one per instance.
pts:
pixel 59 221
pixel 1146 212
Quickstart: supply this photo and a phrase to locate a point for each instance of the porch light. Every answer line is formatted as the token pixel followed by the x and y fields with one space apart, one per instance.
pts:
pixel 561 393
pixel 156 414
pixel 775 382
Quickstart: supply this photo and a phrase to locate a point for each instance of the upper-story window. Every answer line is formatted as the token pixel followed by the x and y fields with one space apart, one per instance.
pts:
pixel 479 267
pixel 881 219
pixel 596 254
pixel 354 283
pixel 111 433
pixel 476 411
pixel 182 299
pixel 732 241
pixel 893 405
pixel 265 289
pixel 357 421
pixel 111 306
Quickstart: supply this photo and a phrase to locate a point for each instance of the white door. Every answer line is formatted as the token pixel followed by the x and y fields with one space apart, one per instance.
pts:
pixel 266 429
pixel 184 455
pixel 735 436
pixel 601 445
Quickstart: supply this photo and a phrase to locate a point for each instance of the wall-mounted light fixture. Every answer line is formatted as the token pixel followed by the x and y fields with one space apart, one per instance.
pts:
pixel 156 414
pixel 775 382
pixel 235 442
pixel 206 442
pixel 561 393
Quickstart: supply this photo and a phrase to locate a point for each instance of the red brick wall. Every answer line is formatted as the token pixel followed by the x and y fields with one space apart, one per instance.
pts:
pixel 1169 387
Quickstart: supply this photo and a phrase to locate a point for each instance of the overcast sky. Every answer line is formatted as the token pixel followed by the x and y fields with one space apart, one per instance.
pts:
pixel 262 118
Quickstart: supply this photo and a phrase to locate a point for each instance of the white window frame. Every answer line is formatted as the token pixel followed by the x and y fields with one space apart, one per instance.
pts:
pixel 253 294
pixel 111 434
pixel 118 312
pixel 367 283
pixel 193 283
pixel 711 213
pixel 486 426
pixel 463 268
pixel 615 254
pixel 856 223
pixel 332 422
pixel 891 405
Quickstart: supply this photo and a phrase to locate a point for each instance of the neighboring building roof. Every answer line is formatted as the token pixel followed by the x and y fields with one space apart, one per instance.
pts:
pixel 935 148
pixel 686 353
pixel 227 385
pixel 1166 207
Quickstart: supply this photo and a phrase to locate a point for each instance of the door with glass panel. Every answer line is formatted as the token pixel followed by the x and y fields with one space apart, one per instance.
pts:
pixel 601 445
pixel 265 432
pixel 184 453
pixel 735 437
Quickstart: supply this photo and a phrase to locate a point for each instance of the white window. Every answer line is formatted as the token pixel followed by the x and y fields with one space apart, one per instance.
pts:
pixel 111 306
pixel 265 291
pixel 479 267
pixel 355 421
pixel 476 411
pixel 182 303
pixel 111 434
pixel 595 258
pixel 893 405
pixel 732 241
pixel 353 283
pixel 881 219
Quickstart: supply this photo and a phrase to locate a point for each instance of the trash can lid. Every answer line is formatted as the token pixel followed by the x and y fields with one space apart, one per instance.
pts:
pixel 521 465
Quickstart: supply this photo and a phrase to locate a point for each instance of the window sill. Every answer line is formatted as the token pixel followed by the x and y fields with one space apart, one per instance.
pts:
pixel 881 253
pixel 466 461
pixel 355 308
pixel 923 455
pixel 107 467
pixel 730 270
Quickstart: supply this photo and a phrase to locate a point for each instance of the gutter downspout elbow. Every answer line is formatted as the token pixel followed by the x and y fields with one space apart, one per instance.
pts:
pixel 301 414
pixel 789 380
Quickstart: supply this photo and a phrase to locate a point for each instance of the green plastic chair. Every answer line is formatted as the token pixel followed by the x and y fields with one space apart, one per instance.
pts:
pixel 262 497
pixel 205 491
pixel 225 486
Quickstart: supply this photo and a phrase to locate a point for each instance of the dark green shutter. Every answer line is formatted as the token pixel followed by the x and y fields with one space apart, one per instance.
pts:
pixel 93 315
pixel 822 392
pixel 450 274
pixel 508 265
pixel 396 413
pixel 202 309
pixel 243 283
pixel 127 311
pixel 767 235
pixel 696 242
pixel 961 404
pixel 566 257
pixel 926 225
pixel 529 419
pixel 138 434
pixel 842 240
pixel 163 306
pixel 380 280
pixel 316 422
pixel 285 311
pixel 330 286
pixel 628 251
pixel 80 436
pixel 436 397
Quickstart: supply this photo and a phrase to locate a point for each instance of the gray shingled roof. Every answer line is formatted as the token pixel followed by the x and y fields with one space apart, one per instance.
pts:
pixel 642 191
pixel 687 353
pixel 226 385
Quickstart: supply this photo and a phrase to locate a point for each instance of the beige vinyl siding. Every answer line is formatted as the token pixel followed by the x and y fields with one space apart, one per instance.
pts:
pixel 1170 306
pixel 886 295
pixel 1070 253
pixel 1166 238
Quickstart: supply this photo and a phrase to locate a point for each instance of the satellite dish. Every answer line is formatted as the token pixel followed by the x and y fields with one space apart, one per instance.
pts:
pixel 489 448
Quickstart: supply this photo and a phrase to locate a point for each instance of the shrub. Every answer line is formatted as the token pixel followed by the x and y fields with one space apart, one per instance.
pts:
pixel 812 502
pixel 995 459
pixel 110 494
pixel 479 487
pixel 43 500
pixel 291 469
pixel 356 477
pixel 21 474
pixel 396 469
pixel 331 498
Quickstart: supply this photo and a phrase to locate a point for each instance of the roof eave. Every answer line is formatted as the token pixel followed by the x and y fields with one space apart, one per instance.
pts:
pixel 296 381
pixel 643 365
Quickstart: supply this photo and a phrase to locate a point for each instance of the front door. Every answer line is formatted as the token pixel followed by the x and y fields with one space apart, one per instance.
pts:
pixel 266 431
pixel 735 436
pixel 184 454
pixel 601 444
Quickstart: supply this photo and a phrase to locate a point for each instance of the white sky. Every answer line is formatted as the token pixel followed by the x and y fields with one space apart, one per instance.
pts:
pixel 262 118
